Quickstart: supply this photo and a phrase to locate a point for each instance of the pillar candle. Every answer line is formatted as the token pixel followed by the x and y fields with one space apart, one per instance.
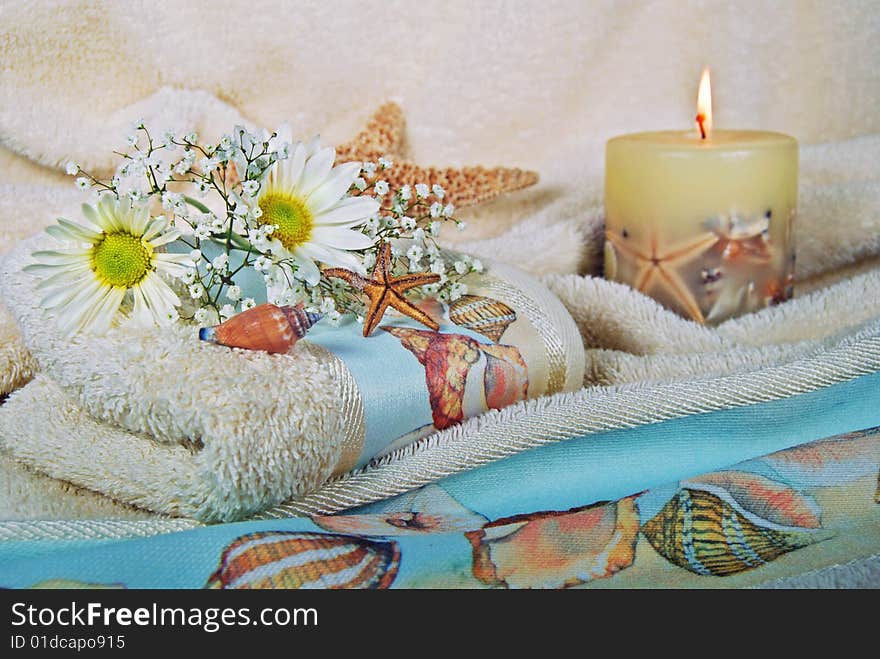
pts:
pixel 702 220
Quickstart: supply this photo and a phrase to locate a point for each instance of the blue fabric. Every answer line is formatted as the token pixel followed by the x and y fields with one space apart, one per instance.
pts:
pixel 389 377
pixel 584 470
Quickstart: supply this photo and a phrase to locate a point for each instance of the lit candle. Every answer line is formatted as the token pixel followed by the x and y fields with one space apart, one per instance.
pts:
pixel 701 220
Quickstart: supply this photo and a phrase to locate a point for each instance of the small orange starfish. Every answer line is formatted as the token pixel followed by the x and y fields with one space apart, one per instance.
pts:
pixel 658 264
pixel 385 290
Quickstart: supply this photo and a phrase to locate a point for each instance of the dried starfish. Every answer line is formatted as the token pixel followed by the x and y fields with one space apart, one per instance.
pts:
pixel 658 264
pixel 465 186
pixel 385 290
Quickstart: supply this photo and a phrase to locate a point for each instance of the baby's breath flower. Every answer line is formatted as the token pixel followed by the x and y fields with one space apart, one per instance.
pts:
pixel 196 291
pixel 448 210
pixel 438 191
pixel 250 188
pixel 220 262
pixel 191 137
pixel 233 293
pixel 248 303
pixel 360 183
pixel 333 317
pixel 406 193
pixel 422 190
pixel 208 165
pixel 188 276
pixel 407 223
pixel 438 267
pixel 72 168
pixel 381 188
pixel 328 304
pixel 131 140
pixel 419 235
pixel 390 221
pixel 201 317
pixel 227 311
pixel 262 263
pixel 369 260
pixel 369 168
pixel 477 265
pixel 434 228
pixel 385 163
pixel 461 226
pixel 461 267
pixel 414 254
pixel 82 183
pixel 195 255
pixel 457 290
pixel 436 209
pixel 137 195
pixel 202 231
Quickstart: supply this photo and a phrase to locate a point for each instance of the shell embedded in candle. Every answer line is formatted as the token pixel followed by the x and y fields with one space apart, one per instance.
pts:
pixel 267 327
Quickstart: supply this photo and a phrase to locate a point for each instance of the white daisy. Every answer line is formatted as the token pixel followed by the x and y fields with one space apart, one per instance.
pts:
pixel 112 256
pixel 305 198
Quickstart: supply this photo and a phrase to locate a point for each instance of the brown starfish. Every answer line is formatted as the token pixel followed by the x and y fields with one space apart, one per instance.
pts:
pixel 657 264
pixel 385 290
pixel 465 186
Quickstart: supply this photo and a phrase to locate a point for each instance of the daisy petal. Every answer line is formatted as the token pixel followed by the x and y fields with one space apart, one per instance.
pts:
pixel 62 256
pixel 316 169
pixel 333 257
pixel 154 228
pixel 307 270
pixel 105 312
pixel 349 212
pixel 333 187
pixel 341 238
pixel 291 170
pixel 164 239
pixel 78 231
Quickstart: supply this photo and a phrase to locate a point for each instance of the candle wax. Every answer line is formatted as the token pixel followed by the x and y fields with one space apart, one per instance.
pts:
pixel 703 226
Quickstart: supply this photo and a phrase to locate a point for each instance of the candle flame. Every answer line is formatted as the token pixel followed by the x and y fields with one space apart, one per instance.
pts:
pixel 704 105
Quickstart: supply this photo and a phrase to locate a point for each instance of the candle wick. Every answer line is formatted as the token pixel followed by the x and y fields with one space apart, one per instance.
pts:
pixel 701 118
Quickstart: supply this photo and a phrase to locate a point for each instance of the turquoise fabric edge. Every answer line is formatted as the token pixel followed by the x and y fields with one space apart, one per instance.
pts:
pixel 598 467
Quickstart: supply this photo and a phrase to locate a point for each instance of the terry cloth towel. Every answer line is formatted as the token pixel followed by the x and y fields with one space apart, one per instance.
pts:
pixel 224 433
pixel 481 106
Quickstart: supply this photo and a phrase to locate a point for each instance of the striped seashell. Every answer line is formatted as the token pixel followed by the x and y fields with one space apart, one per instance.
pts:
pixel 266 327
pixel 482 315
pixel 280 559
pixel 708 535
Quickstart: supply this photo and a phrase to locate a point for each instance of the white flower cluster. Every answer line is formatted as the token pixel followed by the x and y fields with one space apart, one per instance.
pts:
pixel 224 200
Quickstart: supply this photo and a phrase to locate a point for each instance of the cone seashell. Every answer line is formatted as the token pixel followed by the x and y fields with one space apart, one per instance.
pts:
pixel 280 559
pixel 708 535
pixel 482 315
pixel 266 327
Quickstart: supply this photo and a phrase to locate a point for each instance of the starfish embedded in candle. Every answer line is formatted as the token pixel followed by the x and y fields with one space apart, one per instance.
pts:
pixel 385 290
pixel 383 136
pixel 656 266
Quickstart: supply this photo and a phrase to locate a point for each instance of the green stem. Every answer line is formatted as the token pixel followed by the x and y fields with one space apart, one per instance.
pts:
pixel 196 204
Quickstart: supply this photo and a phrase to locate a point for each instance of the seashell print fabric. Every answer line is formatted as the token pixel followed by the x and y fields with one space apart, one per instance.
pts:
pixel 306 560
pixel 785 513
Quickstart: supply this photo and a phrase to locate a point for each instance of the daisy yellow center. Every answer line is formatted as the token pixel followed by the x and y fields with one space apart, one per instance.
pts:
pixel 121 259
pixel 293 219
